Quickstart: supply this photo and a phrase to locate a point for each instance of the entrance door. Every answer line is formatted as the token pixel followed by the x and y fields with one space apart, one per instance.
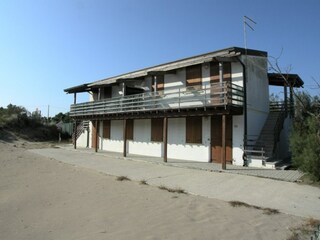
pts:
pixel 216 139
pixel 94 133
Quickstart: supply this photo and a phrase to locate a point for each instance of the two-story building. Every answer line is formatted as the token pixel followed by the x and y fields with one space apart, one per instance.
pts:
pixel 212 107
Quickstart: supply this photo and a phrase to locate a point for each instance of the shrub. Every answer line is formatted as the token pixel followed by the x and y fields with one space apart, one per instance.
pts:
pixel 305 147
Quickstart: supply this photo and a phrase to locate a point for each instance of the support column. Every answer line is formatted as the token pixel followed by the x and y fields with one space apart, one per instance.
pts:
pixel 97 136
pixel 222 97
pixel 75 124
pixel 291 102
pixel 285 91
pixel 155 84
pixel 223 155
pixel 124 137
pixel 75 135
pixel 165 139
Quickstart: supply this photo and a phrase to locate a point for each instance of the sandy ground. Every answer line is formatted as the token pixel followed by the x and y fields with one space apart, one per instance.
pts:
pixel 41 198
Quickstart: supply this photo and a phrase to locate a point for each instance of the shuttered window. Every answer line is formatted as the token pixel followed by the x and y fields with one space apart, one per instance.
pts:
pixel 107 92
pixel 129 129
pixel 157 129
pixel 214 72
pixel 106 129
pixel 194 129
pixel 194 75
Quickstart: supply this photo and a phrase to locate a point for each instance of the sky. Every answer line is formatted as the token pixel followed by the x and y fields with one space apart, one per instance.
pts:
pixel 47 46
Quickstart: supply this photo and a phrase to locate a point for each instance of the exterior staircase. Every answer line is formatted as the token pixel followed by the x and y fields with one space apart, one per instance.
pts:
pixel 264 147
pixel 270 132
pixel 81 127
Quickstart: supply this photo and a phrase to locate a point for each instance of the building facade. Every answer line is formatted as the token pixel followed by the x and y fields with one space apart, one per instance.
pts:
pixel 212 107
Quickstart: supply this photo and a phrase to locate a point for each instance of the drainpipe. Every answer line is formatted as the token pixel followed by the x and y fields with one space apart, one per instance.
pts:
pixel 245 163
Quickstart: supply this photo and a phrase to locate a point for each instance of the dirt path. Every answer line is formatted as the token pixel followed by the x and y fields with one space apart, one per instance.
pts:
pixel 45 199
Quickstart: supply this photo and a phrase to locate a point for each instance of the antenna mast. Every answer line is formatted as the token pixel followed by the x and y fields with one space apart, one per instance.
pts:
pixel 247 22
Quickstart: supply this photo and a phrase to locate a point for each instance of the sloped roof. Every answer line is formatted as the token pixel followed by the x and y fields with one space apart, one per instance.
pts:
pixel 198 59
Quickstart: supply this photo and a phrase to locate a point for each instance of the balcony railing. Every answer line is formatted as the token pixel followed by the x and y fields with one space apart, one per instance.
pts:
pixel 214 95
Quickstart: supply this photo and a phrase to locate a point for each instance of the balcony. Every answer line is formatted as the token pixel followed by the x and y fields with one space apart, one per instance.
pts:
pixel 218 95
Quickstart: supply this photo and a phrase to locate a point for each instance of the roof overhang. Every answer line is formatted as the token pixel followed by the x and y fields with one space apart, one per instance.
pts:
pixel 285 79
pixel 78 89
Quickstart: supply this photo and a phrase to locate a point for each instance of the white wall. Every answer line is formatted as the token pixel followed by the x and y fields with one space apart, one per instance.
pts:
pixel 257 94
pixel 177 146
pixel 142 144
pixel 82 139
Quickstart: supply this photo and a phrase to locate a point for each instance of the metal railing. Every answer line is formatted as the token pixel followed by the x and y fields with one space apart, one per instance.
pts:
pixel 218 94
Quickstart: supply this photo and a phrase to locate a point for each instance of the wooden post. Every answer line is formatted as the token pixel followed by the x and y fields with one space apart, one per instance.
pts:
pixel 97 138
pixel 285 99
pixel 223 155
pixel 75 135
pixel 74 98
pixel 124 137
pixel 165 139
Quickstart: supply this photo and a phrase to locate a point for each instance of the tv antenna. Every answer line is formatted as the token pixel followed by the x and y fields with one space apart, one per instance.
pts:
pixel 250 23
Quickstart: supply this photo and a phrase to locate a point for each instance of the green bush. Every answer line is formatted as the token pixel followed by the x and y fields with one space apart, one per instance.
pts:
pixel 305 137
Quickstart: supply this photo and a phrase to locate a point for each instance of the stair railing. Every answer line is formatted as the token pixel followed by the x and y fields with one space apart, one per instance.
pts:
pixel 81 127
pixel 279 123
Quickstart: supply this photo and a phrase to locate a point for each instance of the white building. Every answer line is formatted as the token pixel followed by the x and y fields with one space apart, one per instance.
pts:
pixel 212 107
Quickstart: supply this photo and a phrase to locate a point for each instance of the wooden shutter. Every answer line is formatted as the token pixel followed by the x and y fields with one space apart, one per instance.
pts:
pixel 106 129
pixel 194 129
pixel 194 75
pixel 157 129
pixel 214 72
pixel 129 129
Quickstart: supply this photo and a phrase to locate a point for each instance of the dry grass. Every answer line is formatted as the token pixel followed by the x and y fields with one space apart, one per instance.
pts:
pixel 143 182
pixel 123 178
pixel 173 190
pixel 305 230
pixel 267 211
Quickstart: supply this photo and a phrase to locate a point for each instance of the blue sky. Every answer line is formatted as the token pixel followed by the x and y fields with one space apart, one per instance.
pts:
pixel 49 45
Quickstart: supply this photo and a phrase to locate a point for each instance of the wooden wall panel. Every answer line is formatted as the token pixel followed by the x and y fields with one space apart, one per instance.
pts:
pixel 193 129
pixel 157 129
pixel 129 129
pixel 106 129
pixel 214 72
pixel 194 75
pixel 216 139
